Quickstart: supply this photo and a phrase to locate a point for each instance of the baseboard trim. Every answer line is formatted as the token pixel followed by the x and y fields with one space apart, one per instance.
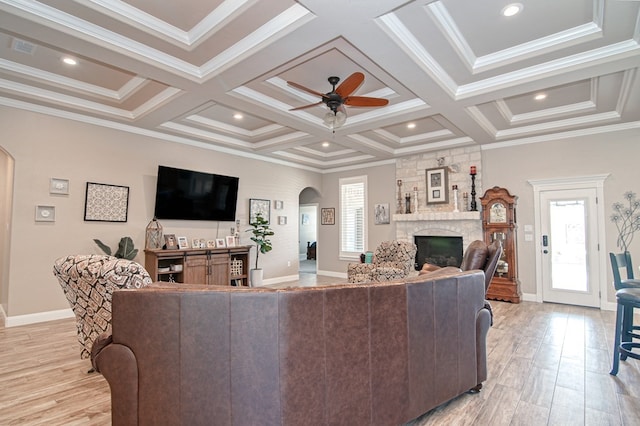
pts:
pixel 332 274
pixel 17 320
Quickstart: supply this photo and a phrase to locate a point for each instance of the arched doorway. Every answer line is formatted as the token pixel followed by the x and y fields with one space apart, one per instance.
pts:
pixel 308 201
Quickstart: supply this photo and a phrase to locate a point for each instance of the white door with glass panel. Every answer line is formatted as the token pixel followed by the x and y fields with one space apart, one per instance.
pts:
pixel 569 232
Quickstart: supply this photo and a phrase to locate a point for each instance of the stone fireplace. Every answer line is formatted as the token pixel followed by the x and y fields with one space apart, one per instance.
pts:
pixel 467 225
pixel 439 219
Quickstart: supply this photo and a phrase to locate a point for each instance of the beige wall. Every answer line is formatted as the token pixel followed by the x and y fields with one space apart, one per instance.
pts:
pixel 381 185
pixel 616 153
pixel 44 147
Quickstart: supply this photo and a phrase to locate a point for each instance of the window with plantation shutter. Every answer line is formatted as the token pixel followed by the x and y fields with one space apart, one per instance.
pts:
pixel 353 197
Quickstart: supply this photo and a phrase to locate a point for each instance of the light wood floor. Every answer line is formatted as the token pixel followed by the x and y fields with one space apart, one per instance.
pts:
pixel 548 365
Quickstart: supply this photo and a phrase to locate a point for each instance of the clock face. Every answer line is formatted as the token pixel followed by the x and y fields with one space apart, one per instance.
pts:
pixel 498 213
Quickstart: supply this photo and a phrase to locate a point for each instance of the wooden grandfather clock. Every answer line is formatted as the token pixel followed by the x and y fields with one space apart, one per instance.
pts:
pixel 499 223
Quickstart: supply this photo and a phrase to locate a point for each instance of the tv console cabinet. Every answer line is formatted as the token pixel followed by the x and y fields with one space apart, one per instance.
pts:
pixel 214 266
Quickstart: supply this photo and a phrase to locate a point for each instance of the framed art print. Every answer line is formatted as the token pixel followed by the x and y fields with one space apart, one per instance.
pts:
pixel 106 203
pixel 437 183
pixel 328 216
pixel 259 206
pixel 381 214
pixel 59 186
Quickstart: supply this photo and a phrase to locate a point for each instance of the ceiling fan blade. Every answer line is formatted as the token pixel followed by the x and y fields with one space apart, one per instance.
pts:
pixel 306 89
pixel 348 86
pixel 364 101
pixel 305 106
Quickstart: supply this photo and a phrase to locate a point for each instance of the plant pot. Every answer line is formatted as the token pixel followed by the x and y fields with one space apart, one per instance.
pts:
pixel 256 277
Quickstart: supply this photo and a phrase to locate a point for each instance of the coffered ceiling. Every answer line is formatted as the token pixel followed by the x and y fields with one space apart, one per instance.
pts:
pixel 214 73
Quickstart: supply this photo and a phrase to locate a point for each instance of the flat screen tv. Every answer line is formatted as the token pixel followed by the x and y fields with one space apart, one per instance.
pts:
pixel 190 195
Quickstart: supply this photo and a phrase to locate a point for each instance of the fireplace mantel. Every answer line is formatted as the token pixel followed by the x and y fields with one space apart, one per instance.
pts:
pixel 440 216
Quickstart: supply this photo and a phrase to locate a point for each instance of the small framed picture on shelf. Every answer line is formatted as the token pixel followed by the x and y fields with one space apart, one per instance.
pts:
pixel 183 243
pixel 220 243
pixel 195 243
pixel 170 242
pixel 230 241
pixel 211 243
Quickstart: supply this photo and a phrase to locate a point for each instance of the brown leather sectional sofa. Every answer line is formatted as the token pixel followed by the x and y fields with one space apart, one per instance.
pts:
pixel 352 354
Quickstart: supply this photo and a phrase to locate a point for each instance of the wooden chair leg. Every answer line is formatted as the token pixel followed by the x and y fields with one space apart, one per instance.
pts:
pixel 618 336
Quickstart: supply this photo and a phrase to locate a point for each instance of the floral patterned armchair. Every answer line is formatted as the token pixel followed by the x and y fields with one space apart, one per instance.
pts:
pixel 88 281
pixel 392 260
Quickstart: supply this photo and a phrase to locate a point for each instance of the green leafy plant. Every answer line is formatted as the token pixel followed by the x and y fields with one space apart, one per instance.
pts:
pixel 261 233
pixel 626 219
pixel 125 250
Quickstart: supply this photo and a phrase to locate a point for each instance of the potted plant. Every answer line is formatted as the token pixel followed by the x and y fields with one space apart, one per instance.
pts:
pixel 261 233
pixel 125 248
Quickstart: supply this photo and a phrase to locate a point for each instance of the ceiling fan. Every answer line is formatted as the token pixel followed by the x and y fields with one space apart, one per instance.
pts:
pixel 339 97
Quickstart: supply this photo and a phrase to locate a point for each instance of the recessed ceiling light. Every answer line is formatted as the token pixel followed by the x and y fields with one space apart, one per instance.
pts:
pixel 540 96
pixel 238 116
pixel 411 126
pixel 512 9
pixel 325 144
pixel 69 60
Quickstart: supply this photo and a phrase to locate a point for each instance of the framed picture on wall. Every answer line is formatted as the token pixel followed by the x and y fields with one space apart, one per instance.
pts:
pixel 328 216
pixel 256 206
pixel 381 214
pixel 437 183
pixel 106 203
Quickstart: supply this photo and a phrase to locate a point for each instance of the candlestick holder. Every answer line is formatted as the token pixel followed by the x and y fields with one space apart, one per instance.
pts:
pixel 474 206
pixel 407 202
pixel 455 199
pixel 399 206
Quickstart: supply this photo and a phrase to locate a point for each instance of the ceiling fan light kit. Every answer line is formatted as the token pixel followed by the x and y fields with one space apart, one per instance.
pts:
pixel 339 97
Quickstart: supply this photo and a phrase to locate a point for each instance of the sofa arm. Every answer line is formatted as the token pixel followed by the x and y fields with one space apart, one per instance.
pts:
pixel 118 365
pixel 483 323
pixel 99 344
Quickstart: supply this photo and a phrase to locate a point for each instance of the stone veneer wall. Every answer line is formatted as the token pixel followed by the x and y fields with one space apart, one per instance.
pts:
pixel 412 171
pixel 440 219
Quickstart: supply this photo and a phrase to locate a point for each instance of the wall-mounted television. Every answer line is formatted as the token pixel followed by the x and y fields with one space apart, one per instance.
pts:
pixel 190 195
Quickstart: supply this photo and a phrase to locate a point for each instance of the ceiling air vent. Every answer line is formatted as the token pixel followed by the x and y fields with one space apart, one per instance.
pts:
pixel 23 46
